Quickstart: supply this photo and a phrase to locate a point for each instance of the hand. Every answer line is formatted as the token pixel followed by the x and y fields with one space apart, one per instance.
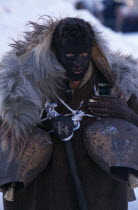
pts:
pixel 63 127
pixel 106 106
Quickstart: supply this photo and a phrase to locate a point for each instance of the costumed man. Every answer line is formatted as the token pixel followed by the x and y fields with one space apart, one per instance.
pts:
pixel 64 61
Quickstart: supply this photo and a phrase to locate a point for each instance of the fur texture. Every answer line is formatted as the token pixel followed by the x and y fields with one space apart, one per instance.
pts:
pixel 31 74
pixel 124 68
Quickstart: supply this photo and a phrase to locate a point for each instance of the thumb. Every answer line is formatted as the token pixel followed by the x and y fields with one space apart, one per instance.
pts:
pixel 121 95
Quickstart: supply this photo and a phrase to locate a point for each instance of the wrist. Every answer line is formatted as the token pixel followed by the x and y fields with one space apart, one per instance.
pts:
pixel 133 118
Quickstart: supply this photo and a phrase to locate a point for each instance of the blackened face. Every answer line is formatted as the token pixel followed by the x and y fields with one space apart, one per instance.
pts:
pixel 75 57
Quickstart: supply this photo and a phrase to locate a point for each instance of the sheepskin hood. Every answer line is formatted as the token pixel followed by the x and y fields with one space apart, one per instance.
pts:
pixel 31 74
pixel 118 69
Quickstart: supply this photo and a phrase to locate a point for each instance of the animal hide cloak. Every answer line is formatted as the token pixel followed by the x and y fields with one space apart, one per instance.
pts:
pixel 30 74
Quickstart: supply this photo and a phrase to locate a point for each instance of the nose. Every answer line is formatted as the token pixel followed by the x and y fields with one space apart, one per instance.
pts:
pixel 77 63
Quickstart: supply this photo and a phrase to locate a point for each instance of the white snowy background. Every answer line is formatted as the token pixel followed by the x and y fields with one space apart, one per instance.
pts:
pixel 14 14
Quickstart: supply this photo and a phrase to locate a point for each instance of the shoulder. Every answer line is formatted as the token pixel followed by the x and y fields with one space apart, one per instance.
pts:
pixel 125 73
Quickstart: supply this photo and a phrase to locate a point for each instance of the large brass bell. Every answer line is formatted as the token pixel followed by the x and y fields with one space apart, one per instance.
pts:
pixel 20 173
pixel 113 144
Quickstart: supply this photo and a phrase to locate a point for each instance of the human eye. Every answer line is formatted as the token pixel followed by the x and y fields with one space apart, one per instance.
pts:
pixel 83 54
pixel 69 55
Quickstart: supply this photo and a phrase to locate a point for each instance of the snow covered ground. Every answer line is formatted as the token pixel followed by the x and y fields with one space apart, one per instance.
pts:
pixel 15 14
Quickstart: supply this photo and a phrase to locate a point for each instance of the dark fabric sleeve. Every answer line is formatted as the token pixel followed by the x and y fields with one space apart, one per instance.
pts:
pixel 133 103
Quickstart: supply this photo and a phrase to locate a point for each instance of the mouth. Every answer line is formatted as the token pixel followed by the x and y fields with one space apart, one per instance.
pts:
pixel 77 71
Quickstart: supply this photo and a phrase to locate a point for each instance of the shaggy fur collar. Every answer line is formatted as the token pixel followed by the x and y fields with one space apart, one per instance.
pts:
pixel 30 74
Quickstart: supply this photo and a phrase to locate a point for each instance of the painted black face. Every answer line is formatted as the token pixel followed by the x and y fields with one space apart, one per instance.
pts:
pixel 74 56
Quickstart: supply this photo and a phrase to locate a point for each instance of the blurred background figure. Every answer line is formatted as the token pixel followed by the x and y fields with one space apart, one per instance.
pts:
pixel 130 23
pixel 112 14
pixel 119 15
pixel 81 5
pixel 94 6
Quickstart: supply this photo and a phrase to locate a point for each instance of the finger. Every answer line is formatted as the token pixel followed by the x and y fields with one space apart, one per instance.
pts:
pixel 97 104
pixel 103 98
pixel 100 110
pixel 108 104
pixel 92 100
pixel 101 115
pixel 121 95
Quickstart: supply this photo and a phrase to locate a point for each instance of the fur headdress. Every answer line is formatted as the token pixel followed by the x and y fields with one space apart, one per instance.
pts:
pixel 30 74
